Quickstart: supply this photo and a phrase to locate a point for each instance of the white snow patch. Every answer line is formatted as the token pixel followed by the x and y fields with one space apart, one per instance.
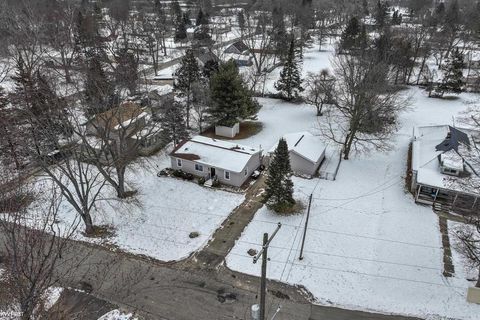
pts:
pixel 51 296
pixel 117 315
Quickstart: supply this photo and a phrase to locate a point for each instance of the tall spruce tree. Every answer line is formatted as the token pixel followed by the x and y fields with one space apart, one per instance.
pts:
pixel 187 74
pixel 202 18
pixel 126 70
pixel 279 186
pixel 9 147
pixel 176 11
pixel 354 37
pixel 290 83
pixel 279 33
pixel 453 74
pixel 381 14
pixel 180 31
pixel 173 123
pixel 231 100
pixel 98 89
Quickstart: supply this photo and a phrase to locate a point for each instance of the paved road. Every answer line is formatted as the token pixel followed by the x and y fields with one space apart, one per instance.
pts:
pixel 163 291
pixel 200 287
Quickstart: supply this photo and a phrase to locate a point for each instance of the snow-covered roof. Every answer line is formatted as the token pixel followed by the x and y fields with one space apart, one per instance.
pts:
pixel 427 158
pixel 120 117
pixel 305 145
pixel 452 160
pixel 216 153
pixel 148 131
pixel 236 57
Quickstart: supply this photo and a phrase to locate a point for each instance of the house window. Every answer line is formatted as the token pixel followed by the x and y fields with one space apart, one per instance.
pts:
pixel 179 162
pixel 245 172
pixel 227 175
pixel 198 167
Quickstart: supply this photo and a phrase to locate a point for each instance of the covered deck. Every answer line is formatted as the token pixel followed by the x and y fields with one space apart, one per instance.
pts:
pixel 458 202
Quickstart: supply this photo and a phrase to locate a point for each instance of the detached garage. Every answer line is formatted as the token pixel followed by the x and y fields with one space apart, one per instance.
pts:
pixel 306 152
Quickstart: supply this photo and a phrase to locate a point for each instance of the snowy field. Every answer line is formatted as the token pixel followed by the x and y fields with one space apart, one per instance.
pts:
pixel 158 220
pixel 368 245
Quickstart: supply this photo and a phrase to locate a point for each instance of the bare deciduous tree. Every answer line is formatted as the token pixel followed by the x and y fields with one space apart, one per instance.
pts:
pixel 261 47
pixel 33 242
pixel 319 89
pixel 468 244
pixel 364 114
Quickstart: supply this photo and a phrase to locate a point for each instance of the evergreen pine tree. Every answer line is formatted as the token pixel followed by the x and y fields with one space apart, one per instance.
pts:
pixel 453 74
pixel 187 74
pixel 366 12
pixel 99 92
pixel 381 14
pixel 231 100
pixel 176 11
pixel 180 31
pixel 290 83
pixel 173 123
pixel 210 67
pixel 126 70
pixel 202 33
pixel 349 36
pixel 186 18
pixel 279 186
pixel 24 84
pixel 51 110
pixel 279 33
pixel 241 21
pixel 202 18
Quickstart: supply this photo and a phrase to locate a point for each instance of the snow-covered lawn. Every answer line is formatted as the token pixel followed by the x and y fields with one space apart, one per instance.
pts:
pixel 463 267
pixel 158 220
pixel 368 245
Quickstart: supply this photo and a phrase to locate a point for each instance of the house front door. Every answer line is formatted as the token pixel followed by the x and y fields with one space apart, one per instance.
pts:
pixel 212 172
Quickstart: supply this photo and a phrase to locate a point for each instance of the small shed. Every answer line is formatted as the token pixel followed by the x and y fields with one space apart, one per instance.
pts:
pixel 228 132
pixel 306 152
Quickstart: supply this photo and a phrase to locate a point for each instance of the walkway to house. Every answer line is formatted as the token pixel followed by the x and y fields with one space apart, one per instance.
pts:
pixel 223 240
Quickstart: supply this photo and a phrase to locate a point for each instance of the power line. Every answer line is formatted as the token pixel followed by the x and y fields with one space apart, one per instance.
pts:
pixel 356 272
pixel 353 258
pixel 355 236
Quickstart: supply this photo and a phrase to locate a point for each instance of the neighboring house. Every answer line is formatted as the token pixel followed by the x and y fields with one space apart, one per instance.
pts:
pixel 123 120
pixel 230 163
pixel 443 173
pixel 242 60
pixel 127 123
pixel 159 102
pixel 306 152
pixel 238 47
pixel 204 57
pixel 239 53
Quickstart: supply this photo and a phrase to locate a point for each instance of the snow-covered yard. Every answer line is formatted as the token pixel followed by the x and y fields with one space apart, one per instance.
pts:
pixel 157 222
pixel 368 245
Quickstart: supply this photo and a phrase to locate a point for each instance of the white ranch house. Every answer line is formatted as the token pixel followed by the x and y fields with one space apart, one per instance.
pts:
pixel 230 163
pixel 306 152
pixel 444 169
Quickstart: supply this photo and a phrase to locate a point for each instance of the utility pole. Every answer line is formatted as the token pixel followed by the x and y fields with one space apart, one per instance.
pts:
pixel 306 225
pixel 263 281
